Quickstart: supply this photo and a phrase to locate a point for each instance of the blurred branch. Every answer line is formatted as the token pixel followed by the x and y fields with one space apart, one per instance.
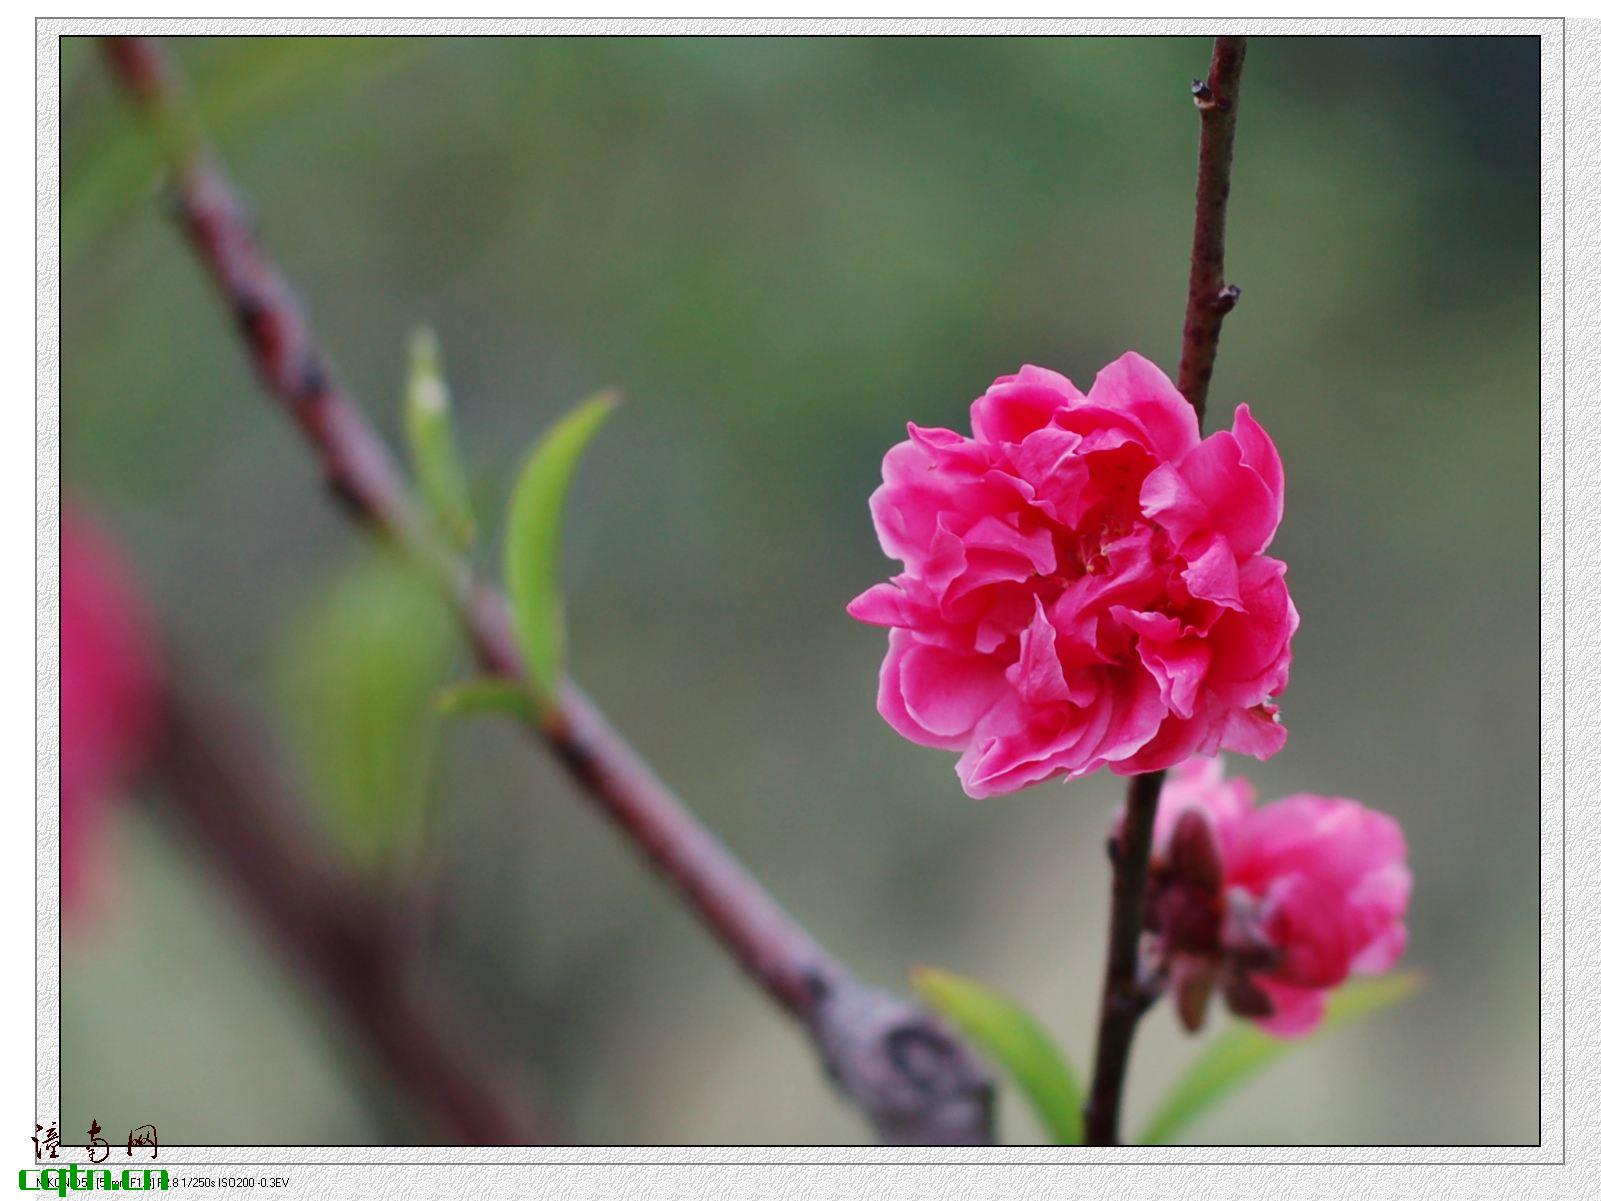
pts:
pixel 223 793
pixel 1124 996
pixel 910 1075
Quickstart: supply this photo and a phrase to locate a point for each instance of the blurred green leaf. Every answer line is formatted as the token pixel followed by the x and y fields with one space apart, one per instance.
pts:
pixel 363 662
pixel 249 81
pixel 484 696
pixel 431 435
pixel 1006 1032
pixel 1242 1050
pixel 533 539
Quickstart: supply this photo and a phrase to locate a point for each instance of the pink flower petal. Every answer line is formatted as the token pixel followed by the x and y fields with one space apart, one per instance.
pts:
pixel 1296 1011
pixel 1084 576
pixel 1259 454
pixel 881 605
pixel 1254 732
pixel 892 699
pixel 1178 669
pixel 1017 405
pixel 1037 674
pixel 1138 387
pixel 946 693
pixel 1214 575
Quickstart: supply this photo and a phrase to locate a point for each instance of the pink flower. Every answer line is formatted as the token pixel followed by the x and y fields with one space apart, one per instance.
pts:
pixel 1278 905
pixel 107 692
pixel 1085 585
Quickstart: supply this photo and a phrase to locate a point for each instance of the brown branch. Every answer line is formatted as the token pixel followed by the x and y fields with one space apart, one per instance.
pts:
pixel 912 1078
pixel 221 792
pixel 1124 995
pixel 1210 300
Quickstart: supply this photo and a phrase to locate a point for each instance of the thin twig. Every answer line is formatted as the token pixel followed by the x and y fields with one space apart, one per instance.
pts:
pixel 1124 996
pixel 221 791
pixel 1124 999
pixel 909 1074
pixel 1217 98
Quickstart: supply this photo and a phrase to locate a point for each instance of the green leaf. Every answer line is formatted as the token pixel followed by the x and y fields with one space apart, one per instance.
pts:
pixel 361 663
pixel 533 540
pixel 485 696
pixel 1242 1050
pixel 432 438
pixel 1015 1041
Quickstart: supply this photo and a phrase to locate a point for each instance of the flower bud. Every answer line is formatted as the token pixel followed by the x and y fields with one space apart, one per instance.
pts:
pixel 1271 906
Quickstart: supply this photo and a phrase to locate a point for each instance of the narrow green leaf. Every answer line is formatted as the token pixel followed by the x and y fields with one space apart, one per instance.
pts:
pixel 1016 1042
pixel 533 540
pixel 432 438
pixel 484 696
pixel 1242 1050
pixel 361 662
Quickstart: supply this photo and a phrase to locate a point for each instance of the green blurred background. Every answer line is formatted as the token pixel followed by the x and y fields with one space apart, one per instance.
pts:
pixel 782 250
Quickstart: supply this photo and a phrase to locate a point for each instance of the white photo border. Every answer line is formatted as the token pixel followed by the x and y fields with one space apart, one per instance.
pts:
pixel 609 1171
